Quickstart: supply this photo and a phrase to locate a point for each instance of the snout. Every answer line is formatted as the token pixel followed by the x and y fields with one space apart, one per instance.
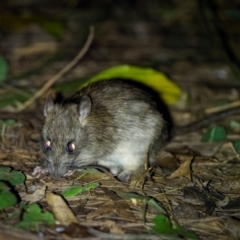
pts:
pixel 57 170
pixel 57 173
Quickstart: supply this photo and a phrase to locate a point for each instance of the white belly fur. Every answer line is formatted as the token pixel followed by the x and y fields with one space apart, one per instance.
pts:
pixel 126 157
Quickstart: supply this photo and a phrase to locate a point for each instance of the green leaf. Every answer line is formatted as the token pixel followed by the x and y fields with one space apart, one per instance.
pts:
pixel 7 199
pixel 10 122
pixel 28 225
pixel 14 98
pixel 90 186
pixel 215 134
pixel 72 191
pixel 14 177
pixel 75 190
pixel 184 232
pixel 33 216
pixel 4 170
pixel 232 14
pixel 156 80
pixel 222 102
pixel 48 218
pixel 150 201
pixel 236 146
pixel 135 196
pixel 55 28
pixel 154 204
pixel 32 212
pixel 163 225
pixel 3 69
pixel 235 125
pixel 3 186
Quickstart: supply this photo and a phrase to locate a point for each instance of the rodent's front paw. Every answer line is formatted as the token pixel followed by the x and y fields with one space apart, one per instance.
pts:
pixel 38 171
pixel 125 175
pixel 69 173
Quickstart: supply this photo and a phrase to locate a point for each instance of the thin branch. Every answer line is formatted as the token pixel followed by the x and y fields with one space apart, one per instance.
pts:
pixel 56 77
pixel 227 106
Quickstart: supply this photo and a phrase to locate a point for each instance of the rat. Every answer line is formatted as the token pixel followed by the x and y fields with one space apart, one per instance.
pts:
pixel 115 124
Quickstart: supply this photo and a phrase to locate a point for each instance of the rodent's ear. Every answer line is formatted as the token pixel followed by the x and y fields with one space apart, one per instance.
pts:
pixel 84 107
pixel 48 107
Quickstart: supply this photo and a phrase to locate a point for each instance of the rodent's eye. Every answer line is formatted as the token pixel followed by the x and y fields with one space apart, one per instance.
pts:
pixel 70 147
pixel 47 145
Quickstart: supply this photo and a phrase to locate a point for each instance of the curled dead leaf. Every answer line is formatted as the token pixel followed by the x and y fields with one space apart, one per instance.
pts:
pixel 111 227
pixel 60 209
pixel 36 196
pixel 183 170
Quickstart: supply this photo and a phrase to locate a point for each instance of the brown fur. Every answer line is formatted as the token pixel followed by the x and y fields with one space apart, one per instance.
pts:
pixel 124 121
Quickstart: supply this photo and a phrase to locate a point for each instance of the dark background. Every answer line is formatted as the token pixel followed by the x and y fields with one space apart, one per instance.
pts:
pixel 189 40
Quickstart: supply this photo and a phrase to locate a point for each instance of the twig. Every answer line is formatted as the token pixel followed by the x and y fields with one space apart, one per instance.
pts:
pixel 138 236
pixel 222 108
pixel 56 77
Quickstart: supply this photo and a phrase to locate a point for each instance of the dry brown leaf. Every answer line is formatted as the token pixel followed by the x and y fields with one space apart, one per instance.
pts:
pixel 8 232
pixel 209 225
pixel 168 161
pixel 226 152
pixel 179 148
pixel 111 227
pixel 139 178
pixel 91 177
pixel 121 206
pixel 60 209
pixel 233 226
pixel 35 197
pixel 183 170
pixel 75 230
pixel 185 211
pixel 3 156
pixel 35 49
pixel 194 147
pixel 105 208
pixel 174 182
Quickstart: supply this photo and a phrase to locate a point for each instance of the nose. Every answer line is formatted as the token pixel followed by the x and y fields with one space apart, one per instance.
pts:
pixel 57 172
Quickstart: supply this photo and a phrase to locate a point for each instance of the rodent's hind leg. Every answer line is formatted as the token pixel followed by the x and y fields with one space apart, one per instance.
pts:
pixel 156 149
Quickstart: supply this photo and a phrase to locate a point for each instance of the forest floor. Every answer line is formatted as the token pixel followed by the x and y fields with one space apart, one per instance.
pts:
pixel 201 193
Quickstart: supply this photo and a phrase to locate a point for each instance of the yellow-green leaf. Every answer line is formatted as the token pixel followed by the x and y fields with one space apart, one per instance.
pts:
pixel 156 80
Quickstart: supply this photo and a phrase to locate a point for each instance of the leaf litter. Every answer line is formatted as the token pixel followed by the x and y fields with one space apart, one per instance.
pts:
pixel 199 193
pixel 201 190
pixel 196 195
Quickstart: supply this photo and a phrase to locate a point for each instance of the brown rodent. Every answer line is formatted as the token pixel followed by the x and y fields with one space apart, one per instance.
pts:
pixel 115 124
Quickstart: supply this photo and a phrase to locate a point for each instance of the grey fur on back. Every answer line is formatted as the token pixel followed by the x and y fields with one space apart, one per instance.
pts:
pixel 124 125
